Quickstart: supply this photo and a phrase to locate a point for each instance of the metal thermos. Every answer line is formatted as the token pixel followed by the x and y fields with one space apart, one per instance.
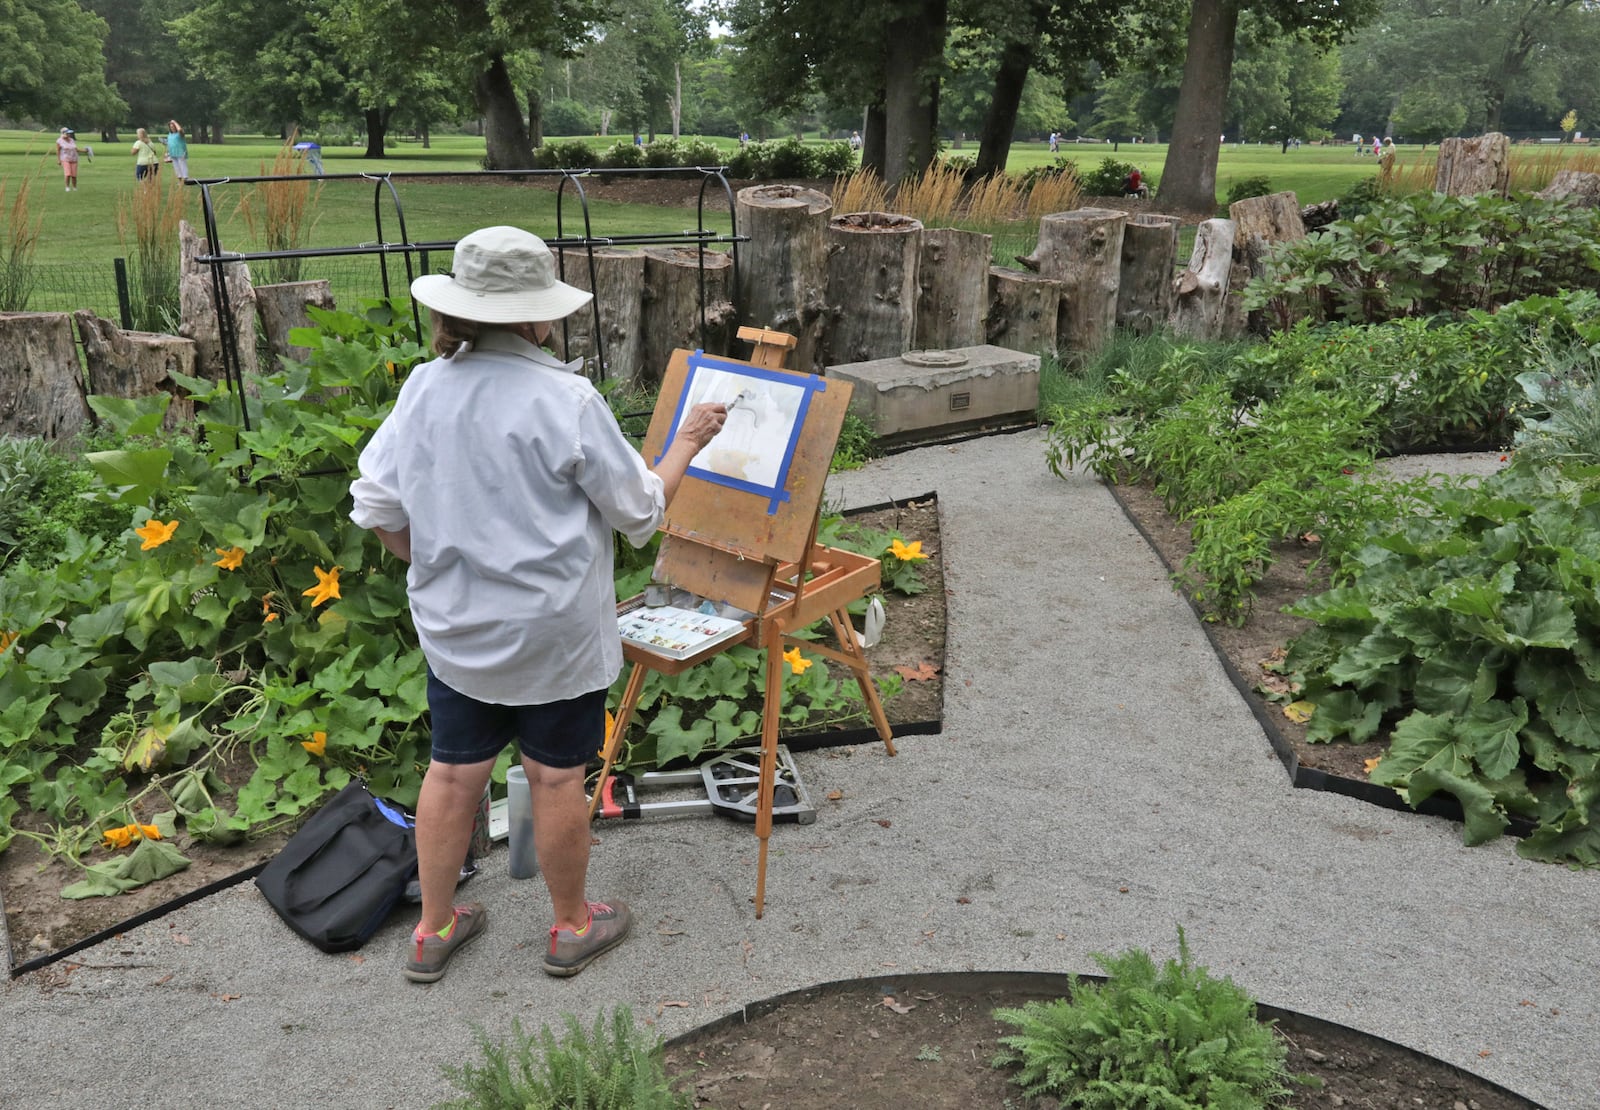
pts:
pixel 519 815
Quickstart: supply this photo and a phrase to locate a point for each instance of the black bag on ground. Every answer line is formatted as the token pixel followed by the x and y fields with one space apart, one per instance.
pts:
pixel 337 880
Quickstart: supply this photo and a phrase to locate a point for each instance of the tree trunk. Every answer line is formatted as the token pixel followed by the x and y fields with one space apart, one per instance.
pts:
pixel 675 104
pixel 1469 167
pixel 505 136
pixel 1000 120
pixel 137 364
pixel 1149 258
pixel 872 140
pixel 1022 311
pixel 914 52
pixel 41 387
pixel 872 286
pixel 1189 177
pixel 618 285
pixel 953 275
pixel 1200 292
pixel 1083 250
pixel 1259 224
pixel 283 308
pixel 1582 188
pixel 677 281
pixel 535 117
pixel 377 132
pixel 783 269
pixel 197 305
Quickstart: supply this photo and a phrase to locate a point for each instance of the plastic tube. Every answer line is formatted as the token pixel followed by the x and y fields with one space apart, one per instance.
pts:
pixel 519 815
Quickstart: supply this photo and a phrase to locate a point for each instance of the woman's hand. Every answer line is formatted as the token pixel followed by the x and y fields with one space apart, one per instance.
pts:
pixel 703 423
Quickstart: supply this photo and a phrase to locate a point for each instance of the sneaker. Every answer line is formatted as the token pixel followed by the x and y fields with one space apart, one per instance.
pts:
pixel 431 954
pixel 571 953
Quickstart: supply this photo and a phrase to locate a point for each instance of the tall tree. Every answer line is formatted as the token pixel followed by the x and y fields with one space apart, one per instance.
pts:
pixel 1189 178
pixel 52 62
pixel 380 82
pixel 1284 85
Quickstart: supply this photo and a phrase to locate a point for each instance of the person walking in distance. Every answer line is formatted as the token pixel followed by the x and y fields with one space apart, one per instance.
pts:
pixel 146 159
pixel 67 155
pixel 499 477
pixel 177 150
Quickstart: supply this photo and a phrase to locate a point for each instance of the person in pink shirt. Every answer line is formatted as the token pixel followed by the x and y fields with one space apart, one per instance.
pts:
pixel 67 155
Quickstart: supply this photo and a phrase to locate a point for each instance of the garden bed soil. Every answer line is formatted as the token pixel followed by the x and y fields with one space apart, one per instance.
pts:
pixel 927 1041
pixel 40 924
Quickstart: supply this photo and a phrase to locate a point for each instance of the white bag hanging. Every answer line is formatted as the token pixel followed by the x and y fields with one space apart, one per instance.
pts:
pixel 874 624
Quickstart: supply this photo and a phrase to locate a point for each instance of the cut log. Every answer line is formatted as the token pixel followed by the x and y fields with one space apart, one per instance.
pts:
pixel 1202 289
pixel 1149 260
pixel 1260 224
pixel 872 286
pixel 953 283
pixel 783 269
pixel 197 304
pixel 1469 167
pixel 676 280
pixel 1022 311
pixel 41 383
pixel 1315 217
pixel 618 284
pixel 137 364
pixel 1082 249
pixel 283 308
pixel 1578 186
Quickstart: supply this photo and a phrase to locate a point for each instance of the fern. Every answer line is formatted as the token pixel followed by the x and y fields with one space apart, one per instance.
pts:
pixel 615 1068
pixel 1167 1039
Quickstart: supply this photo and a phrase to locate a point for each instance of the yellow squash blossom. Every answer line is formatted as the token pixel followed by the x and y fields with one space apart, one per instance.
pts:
pixel 127 834
pixel 6 640
pixel 231 558
pixel 317 745
pixel 907 553
pixel 326 589
pixel 797 662
pixel 154 533
pixel 267 615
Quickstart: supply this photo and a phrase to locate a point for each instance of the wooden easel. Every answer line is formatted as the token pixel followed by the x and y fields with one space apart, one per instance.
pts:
pixel 761 555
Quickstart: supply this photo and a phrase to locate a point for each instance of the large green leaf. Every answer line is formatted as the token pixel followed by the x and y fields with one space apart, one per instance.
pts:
pixel 1566 697
pixel 1452 681
pixel 137 473
pixel 1483 820
pixel 1543 618
pixel 1367 660
pixel 1344 713
pixel 1491 730
pixel 1418 740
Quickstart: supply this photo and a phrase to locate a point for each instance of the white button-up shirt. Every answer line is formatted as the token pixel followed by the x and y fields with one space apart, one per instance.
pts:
pixel 512 473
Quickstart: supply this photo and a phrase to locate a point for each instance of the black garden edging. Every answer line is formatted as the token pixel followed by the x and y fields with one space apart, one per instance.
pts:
pixel 808 741
pixel 1302 777
pixel 1022 986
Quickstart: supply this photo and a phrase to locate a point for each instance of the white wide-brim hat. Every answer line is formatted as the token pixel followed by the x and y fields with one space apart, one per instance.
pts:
pixel 501 275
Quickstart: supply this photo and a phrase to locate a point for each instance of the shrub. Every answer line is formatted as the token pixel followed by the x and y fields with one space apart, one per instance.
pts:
pixel 831 159
pixel 964 164
pixel 1177 1038
pixel 568 117
pixel 565 154
pixel 623 155
pixel 1050 171
pixel 612 1067
pixel 663 153
pixel 1246 187
pixel 41 502
pixel 1107 179
pixel 702 152
pixel 1361 198
pixel 788 158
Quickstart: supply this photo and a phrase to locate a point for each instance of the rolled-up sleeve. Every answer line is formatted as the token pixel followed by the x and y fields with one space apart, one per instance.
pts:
pixel 376 492
pixel 613 475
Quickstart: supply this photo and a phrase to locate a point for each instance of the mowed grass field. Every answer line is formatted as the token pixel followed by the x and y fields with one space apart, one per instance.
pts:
pixel 83 231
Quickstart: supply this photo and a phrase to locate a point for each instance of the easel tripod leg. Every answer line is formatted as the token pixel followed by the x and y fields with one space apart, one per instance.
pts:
pixel 769 758
pixel 844 631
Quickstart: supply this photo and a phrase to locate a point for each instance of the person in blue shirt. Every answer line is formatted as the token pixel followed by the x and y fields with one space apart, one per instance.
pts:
pixel 177 150
pixel 499 477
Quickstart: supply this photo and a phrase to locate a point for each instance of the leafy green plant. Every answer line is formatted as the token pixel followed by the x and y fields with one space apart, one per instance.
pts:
pixel 1107 179
pixel 1360 198
pixel 1472 630
pixel 41 487
pixel 1246 187
pixel 856 445
pixel 1426 253
pixel 1560 424
pixel 614 1066
pixel 1176 1038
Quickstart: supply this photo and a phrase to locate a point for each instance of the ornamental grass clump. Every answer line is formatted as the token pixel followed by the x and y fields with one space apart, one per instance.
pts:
pixel 1175 1038
pixel 147 222
pixel 18 243
pixel 614 1066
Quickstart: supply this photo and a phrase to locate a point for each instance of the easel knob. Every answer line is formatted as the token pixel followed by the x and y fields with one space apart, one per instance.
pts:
pixel 771 347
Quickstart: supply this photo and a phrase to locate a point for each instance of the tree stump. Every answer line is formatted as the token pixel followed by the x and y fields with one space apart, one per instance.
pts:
pixel 783 269
pixel 1260 223
pixel 137 364
pixel 1202 289
pixel 1582 188
pixel 872 286
pixel 1468 167
pixel 41 384
pixel 197 304
pixel 1022 311
pixel 1149 259
pixel 953 280
pixel 672 299
pixel 283 308
pixel 618 285
pixel 1083 250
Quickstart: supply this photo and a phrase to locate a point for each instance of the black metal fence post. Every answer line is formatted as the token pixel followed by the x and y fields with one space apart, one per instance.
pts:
pixel 124 295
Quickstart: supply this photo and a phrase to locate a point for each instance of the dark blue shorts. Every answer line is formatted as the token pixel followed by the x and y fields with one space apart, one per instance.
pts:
pixel 559 734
